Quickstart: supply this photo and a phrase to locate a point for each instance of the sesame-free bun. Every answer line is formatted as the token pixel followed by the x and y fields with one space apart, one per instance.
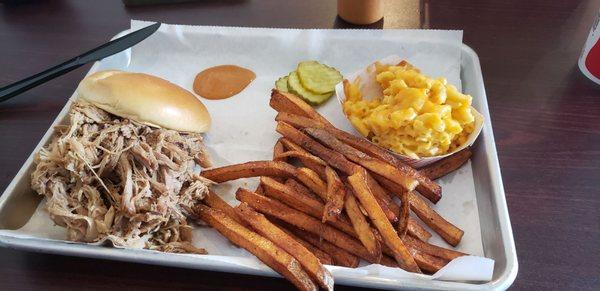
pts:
pixel 145 99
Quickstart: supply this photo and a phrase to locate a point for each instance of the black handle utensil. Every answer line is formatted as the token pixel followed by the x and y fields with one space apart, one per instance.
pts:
pixel 103 51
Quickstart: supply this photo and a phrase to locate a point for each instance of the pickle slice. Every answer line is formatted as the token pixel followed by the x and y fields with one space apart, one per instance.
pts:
pixel 317 77
pixel 295 87
pixel 282 84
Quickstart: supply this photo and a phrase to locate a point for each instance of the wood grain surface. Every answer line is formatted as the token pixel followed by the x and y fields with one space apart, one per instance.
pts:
pixel 545 115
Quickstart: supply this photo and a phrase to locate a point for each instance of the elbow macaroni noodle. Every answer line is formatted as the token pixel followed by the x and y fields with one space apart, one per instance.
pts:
pixel 417 116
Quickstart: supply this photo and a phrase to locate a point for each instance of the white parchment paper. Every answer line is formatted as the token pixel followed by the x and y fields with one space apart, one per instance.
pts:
pixel 243 127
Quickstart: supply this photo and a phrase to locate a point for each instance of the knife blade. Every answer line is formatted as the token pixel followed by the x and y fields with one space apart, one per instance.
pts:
pixel 103 51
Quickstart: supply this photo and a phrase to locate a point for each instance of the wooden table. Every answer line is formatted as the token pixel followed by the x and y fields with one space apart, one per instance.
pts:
pixel 545 114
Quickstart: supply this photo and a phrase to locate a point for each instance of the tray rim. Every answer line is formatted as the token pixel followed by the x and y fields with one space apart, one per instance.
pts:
pixel 504 281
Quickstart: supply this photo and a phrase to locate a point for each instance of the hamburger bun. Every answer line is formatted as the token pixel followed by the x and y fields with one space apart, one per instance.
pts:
pixel 145 99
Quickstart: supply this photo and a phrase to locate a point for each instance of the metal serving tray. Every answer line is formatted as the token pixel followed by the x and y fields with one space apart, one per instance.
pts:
pixel 18 203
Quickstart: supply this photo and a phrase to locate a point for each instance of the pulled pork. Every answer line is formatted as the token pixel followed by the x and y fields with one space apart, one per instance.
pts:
pixel 108 178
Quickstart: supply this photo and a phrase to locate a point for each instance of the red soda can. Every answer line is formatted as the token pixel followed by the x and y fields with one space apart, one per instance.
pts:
pixel 589 61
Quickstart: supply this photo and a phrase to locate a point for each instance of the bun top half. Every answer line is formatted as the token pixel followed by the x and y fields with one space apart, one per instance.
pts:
pixel 145 99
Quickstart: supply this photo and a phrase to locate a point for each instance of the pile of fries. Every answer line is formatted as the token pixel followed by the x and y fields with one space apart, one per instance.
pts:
pixel 335 207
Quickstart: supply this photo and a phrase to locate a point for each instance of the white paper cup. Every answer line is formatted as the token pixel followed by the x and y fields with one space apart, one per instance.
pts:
pixel 589 61
pixel 370 89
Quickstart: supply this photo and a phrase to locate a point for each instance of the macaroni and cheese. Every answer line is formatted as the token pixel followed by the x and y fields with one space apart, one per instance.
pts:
pixel 417 116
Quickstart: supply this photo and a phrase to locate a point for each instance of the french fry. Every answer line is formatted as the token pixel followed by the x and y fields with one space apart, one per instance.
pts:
pixel 378 166
pixel 361 226
pixel 390 237
pixel 426 186
pixel 446 165
pixel 332 157
pixel 278 150
pixel 301 189
pixel 312 180
pixel 448 231
pixel 288 102
pixel 215 201
pixel 340 256
pixel 432 249
pixel 250 169
pixel 323 257
pixel 416 230
pixel 336 193
pixel 308 260
pixel 265 250
pixel 301 220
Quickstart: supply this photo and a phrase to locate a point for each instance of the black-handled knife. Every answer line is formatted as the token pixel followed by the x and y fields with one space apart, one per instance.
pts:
pixel 103 51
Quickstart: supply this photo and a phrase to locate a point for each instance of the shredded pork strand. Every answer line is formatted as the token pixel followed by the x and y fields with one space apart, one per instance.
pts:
pixel 106 177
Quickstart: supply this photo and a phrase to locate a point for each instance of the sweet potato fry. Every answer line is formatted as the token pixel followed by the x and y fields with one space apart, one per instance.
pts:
pixel 332 157
pixel 388 262
pixel 215 201
pixel 404 215
pixel 429 189
pixel 323 257
pixel 446 165
pixel 416 230
pixel 450 233
pixel 288 102
pixel 388 206
pixel 278 150
pixel 378 166
pixel 291 146
pixel 426 186
pixel 259 189
pixel 336 193
pixel 390 237
pixel 301 189
pixel 250 169
pixel 361 226
pixel 298 121
pixel 311 180
pixel 413 227
pixel 299 219
pixel 286 195
pixel 340 256
pixel 426 262
pixel 270 254
pixel 312 207
pixel 308 260
pixel 432 249
pixel 307 159
pixel 378 191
